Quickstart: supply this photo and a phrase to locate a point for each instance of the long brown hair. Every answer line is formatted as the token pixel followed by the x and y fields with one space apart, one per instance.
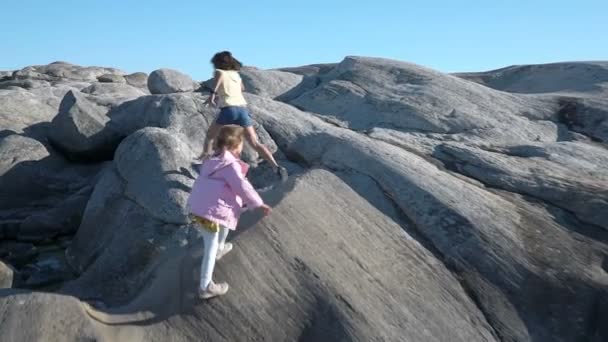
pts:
pixel 225 61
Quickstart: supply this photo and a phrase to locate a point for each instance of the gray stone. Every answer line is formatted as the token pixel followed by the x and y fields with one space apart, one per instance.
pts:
pixel 269 83
pixel 167 81
pixel 137 79
pixel 80 129
pixel 482 234
pixel 38 316
pixel 555 175
pixel 60 220
pixel 119 90
pixel 459 211
pixel 111 78
pixel 62 70
pixel 6 276
pixel 567 77
pixel 362 93
pixel 162 156
pixel 18 253
pixel 307 292
pixel 20 109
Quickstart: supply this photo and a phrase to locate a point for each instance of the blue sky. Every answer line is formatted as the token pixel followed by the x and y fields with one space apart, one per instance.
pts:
pixel 446 35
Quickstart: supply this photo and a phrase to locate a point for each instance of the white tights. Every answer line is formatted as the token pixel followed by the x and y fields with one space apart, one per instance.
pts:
pixel 212 243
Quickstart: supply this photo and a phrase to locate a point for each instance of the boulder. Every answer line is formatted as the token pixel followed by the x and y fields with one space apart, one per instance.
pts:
pixel 167 81
pixel 18 253
pixel 62 219
pixel 111 78
pixel 79 129
pixel 269 83
pixel 118 90
pixel 137 79
pixel 6 276
pixel 21 109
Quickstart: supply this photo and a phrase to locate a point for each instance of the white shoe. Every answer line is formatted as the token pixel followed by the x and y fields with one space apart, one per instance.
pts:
pixel 213 290
pixel 227 248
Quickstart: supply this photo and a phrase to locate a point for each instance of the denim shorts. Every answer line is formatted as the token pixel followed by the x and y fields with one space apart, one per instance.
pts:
pixel 234 115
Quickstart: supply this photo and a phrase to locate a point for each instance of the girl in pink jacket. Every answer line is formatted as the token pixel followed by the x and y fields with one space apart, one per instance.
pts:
pixel 217 197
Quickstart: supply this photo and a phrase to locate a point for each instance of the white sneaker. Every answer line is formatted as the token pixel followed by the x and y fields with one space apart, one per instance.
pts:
pixel 213 290
pixel 220 253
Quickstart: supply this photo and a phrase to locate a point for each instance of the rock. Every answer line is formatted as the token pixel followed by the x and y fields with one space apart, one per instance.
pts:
pixel 269 83
pixel 137 79
pixel 167 81
pixel 61 220
pixel 568 77
pixel 162 156
pixel 80 131
pixel 20 109
pixel 485 233
pixel 47 270
pixel 311 70
pixel 118 90
pixel 33 177
pixel 18 253
pixel 459 211
pixel 31 316
pixel 26 84
pixel 573 185
pixel 6 276
pixel 62 70
pixel 362 93
pixel 18 154
pixel 5 74
pixel 111 78
pixel 327 300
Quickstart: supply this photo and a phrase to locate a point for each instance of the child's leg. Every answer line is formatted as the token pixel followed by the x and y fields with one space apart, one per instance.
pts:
pixel 211 243
pixel 223 234
pixel 262 150
pixel 209 137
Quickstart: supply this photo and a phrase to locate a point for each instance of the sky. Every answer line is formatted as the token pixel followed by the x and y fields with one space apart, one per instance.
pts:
pixel 450 36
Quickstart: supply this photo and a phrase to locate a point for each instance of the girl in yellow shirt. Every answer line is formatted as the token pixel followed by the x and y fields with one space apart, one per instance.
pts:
pixel 233 108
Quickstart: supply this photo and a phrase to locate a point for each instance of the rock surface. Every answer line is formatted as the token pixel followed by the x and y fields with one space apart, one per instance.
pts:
pixel 111 78
pixel 167 81
pixel 421 206
pixel 268 83
pixel 6 276
pixel 137 79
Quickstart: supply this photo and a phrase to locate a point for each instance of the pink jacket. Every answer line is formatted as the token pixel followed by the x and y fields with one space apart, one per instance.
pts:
pixel 220 190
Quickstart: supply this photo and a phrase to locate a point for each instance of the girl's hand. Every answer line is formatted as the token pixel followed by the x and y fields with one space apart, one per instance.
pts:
pixel 211 101
pixel 266 209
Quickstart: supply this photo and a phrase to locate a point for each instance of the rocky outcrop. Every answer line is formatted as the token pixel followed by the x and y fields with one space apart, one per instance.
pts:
pixel 167 81
pixel 422 206
pixel 269 83
pixel 137 79
pixel 6 276
pixel 111 78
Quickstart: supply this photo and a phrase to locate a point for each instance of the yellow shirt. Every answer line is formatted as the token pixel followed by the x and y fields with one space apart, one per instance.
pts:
pixel 230 90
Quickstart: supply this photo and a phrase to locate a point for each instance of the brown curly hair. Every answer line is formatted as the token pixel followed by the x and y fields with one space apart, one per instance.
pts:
pixel 225 61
